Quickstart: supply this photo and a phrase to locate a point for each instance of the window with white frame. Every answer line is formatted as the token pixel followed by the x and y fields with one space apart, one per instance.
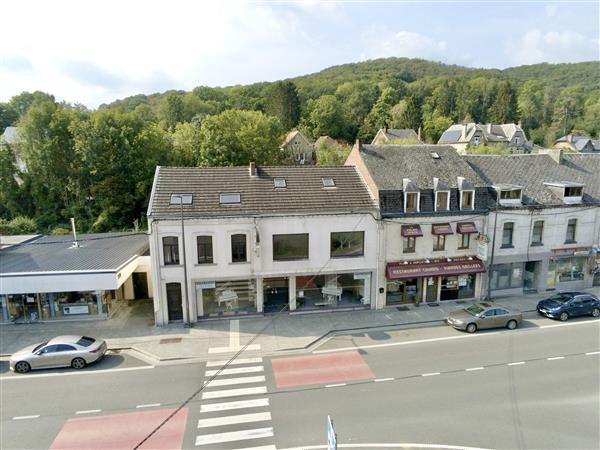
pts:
pixel 571 231
pixel 170 250
pixel 507 234
pixel 442 201
pixel 467 199
pixel 537 233
pixel 411 202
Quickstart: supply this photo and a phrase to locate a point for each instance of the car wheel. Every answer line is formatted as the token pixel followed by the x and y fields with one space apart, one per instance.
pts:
pixel 595 312
pixel 511 325
pixel 471 328
pixel 22 367
pixel 564 316
pixel 78 363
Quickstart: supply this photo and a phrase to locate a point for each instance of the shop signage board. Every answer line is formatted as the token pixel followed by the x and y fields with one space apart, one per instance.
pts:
pixel 482 247
pixel 466 228
pixel 411 231
pixel 441 229
pixel 413 269
pixel 78 309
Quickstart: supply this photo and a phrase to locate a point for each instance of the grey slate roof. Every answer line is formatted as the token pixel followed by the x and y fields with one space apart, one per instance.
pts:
pixel 532 171
pixel 106 252
pixel 389 164
pixel 304 191
pixel 395 133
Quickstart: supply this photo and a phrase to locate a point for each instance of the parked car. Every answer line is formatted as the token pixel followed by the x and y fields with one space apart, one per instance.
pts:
pixel 564 305
pixel 484 315
pixel 61 351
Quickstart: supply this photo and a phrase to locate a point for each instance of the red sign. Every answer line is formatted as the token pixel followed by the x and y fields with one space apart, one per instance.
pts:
pixel 411 231
pixel 466 228
pixel 419 269
pixel 441 228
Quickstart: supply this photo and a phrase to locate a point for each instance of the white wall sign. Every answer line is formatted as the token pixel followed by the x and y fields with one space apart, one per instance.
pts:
pixel 482 248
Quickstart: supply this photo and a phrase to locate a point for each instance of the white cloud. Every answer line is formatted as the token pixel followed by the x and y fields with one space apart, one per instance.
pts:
pixel 551 9
pixel 381 43
pixel 536 46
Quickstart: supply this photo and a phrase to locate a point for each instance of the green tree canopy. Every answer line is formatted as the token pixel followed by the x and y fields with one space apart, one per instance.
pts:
pixel 325 117
pixel 283 102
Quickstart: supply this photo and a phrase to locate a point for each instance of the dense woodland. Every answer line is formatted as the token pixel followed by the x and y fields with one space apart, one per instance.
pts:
pixel 98 165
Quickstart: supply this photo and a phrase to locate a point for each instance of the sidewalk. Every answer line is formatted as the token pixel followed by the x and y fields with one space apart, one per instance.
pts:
pixel 132 328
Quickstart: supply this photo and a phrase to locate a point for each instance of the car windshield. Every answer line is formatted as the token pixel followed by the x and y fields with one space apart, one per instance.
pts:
pixel 474 310
pixel 86 341
pixel 38 347
pixel 559 298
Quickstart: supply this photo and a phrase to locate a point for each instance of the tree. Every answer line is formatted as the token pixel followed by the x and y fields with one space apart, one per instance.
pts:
pixel 332 154
pixel 531 104
pixel 357 99
pixel 497 149
pixel 236 138
pixel 504 109
pixel 325 117
pixel 379 116
pixel 435 126
pixel 590 121
pixel 171 110
pixel 283 102
pixel 411 115
pixel 567 107
pixel 186 144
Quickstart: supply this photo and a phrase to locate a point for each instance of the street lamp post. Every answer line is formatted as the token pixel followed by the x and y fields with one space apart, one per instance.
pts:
pixel 489 280
pixel 186 322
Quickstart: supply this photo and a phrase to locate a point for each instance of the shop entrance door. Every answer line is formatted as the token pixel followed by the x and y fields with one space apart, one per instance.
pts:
pixel 529 276
pixel 449 288
pixel 174 305
pixel 431 293
pixel 140 284
pixel 275 294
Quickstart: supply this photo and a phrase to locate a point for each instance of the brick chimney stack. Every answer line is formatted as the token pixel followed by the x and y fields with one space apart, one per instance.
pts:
pixel 252 169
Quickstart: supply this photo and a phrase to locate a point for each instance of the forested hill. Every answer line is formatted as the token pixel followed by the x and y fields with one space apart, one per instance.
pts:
pixel 98 165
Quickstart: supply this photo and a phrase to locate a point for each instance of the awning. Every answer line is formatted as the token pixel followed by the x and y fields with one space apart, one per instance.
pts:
pixel 419 269
pixel 466 228
pixel 441 228
pixel 411 230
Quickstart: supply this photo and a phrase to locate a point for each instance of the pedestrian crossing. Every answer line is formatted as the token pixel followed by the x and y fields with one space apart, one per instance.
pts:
pixel 228 419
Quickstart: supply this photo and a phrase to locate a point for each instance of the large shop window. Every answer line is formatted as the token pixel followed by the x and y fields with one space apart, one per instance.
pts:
pixel 350 243
pixel 171 250
pixel 205 249
pixel 238 248
pixel 569 269
pixel 332 291
pixel 223 298
pixel 506 276
pixel 288 247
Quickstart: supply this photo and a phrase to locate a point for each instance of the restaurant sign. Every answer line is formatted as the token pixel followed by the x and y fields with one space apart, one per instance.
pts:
pixel 411 231
pixel 413 269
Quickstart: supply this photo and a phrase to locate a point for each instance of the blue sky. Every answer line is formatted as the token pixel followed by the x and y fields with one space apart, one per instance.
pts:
pixel 95 51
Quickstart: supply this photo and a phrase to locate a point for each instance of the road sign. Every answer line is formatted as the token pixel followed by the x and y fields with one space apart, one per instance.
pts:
pixel 331 436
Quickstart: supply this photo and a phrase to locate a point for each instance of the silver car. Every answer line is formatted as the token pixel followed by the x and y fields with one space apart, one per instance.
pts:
pixel 484 315
pixel 61 351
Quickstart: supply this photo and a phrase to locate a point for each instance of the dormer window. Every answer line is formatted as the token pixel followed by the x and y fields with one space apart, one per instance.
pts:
pixel 467 199
pixel 411 202
pixel 442 201
pixel 573 191
pixel 570 192
pixel 229 198
pixel 510 194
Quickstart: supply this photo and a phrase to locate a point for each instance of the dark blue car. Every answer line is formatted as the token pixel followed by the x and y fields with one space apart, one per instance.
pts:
pixel 569 304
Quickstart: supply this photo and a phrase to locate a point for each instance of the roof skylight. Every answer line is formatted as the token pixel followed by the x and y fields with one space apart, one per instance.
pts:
pixel 279 182
pixel 181 199
pixel 328 182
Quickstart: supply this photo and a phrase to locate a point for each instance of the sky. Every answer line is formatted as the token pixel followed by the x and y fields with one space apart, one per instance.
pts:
pixel 97 51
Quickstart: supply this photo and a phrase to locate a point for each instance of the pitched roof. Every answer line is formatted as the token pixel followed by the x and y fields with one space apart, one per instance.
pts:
pixel 96 252
pixel 532 171
pixel 395 133
pixel 291 135
pixel 390 164
pixel 304 191
pixel 324 140
pixel 458 133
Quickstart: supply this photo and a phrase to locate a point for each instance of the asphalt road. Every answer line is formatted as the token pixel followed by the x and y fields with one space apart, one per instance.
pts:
pixel 529 388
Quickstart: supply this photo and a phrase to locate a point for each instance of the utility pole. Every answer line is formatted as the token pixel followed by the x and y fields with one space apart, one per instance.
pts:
pixel 489 280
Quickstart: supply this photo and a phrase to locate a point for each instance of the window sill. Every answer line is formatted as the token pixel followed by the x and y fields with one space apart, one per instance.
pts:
pixel 537 244
pixel 290 259
pixel 439 250
pixel 463 248
pixel 409 251
pixel 570 242
pixel 239 262
pixel 507 246
pixel 346 256
pixel 205 264
pixel 172 265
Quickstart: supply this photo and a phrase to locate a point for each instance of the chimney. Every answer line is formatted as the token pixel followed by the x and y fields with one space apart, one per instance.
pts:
pixel 465 130
pixel 252 169
pixel 419 133
pixel 385 128
pixel 519 124
pixel 489 128
pixel 75 243
pixel 570 138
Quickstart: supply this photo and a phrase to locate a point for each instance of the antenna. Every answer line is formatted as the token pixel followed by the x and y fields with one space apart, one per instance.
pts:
pixel 75 243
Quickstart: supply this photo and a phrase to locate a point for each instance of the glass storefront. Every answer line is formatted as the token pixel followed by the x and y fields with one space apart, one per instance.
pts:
pixel 507 276
pixel 226 298
pixel 55 305
pixel 332 291
pixel 568 269
pixel 405 291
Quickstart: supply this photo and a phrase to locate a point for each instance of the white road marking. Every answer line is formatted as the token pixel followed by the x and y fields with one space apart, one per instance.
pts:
pixel 407 446
pixel 26 417
pixel 64 374
pixel 518 363
pixel 89 411
pixel 234 436
pixel 554 358
pixel 241 380
pixel 388 317
pixel 212 407
pixel 592 353
pixel 431 374
pixel 149 405
pixel 235 361
pixel 234 392
pixel 449 338
pixel 235 371
pixel 232 420
pixel 335 385
pixel 471 369
pixel 377 380
pixel 262 447
pixel 234 340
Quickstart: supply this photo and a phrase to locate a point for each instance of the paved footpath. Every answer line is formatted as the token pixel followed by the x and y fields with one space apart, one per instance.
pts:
pixel 132 328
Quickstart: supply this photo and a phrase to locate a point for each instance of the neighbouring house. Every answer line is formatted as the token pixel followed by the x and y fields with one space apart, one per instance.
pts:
pixel 233 241
pixel 544 226
pixel 298 149
pixel 433 206
pixel 581 144
pixel 324 140
pixel 393 135
pixel 461 136
pixel 52 277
